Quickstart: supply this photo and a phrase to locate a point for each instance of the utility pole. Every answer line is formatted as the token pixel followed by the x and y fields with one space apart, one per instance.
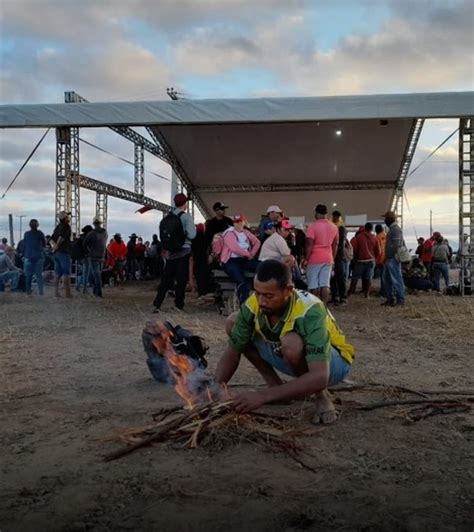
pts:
pixel 431 222
pixel 21 216
pixel 10 223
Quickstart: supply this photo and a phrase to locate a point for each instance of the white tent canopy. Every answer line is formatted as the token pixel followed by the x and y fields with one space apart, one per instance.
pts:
pixel 292 152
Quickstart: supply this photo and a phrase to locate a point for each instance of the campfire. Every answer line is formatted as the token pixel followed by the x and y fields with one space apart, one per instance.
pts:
pixel 208 417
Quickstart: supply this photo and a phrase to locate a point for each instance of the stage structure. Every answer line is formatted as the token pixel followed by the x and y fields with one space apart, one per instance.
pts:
pixel 353 152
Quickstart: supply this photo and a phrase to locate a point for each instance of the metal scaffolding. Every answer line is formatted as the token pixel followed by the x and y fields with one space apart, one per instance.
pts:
pixel 101 202
pixel 139 169
pixel 396 205
pixel 466 204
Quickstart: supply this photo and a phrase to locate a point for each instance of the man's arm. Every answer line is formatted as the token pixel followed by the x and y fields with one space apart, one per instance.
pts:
pixel 314 381
pixel 308 248
pixel 335 242
pixel 227 365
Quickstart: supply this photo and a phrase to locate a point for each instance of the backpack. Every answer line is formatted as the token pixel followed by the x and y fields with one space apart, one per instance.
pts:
pixel 77 249
pixel 184 343
pixel 217 246
pixel 172 233
pixel 348 250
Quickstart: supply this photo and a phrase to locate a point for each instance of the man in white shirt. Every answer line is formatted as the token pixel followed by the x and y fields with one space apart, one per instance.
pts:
pixel 276 246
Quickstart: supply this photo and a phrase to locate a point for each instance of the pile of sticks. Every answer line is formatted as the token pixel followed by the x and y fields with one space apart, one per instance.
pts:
pixel 207 424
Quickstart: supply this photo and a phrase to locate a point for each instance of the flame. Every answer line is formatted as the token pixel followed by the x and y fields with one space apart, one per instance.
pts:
pixel 180 365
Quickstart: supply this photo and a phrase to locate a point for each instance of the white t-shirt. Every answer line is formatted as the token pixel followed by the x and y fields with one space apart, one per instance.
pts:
pixel 274 247
pixel 243 242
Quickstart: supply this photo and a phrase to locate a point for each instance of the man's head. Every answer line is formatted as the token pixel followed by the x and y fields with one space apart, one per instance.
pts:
pixel 34 224
pixel 336 217
pixel 4 241
pixel 180 200
pixel 379 228
pixel 320 211
pixel 269 228
pixel 140 240
pixel 421 240
pixel 97 222
pixel 273 286
pixel 118 237
pixel 389 218
pixel 64 217
pixel 219 208
pixel 368 227
pixel 86 229
pixel 274 213
pixel 133 236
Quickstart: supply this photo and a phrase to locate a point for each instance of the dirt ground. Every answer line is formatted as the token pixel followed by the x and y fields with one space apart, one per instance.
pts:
pixel 71 371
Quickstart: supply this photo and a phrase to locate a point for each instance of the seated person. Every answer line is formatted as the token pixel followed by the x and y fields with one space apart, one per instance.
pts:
pixel 281 328
pixel 276 245
pixel 416 276
pixel 9 272
pixel 240 247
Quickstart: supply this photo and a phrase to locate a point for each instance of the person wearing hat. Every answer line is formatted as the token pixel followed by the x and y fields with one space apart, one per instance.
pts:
pixel 240 248
pixel 132 264
pixel 275 215
pixel 276 245
pixel 176 272
pixel 34 244
pixel 219 223
pixel 322 238
pixel 394 286
pixel 95 243
pixel 62 254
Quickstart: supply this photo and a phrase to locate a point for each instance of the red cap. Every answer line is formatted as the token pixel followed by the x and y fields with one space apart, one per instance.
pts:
pixel 238 218
pixel 180 199
pixel 285 224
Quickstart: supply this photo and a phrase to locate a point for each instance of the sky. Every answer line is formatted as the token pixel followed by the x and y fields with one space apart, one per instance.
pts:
pixel 125 50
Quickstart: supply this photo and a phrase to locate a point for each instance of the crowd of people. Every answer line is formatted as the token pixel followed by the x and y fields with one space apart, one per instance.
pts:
pixel 320 257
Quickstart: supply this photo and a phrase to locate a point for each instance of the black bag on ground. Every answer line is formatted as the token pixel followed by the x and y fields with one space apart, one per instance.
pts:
pixel 172 235
pixel 184 343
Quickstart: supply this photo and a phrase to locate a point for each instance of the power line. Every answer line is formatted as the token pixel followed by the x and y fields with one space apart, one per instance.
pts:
pixel 433 152
pixel 25 163
pixel 120 158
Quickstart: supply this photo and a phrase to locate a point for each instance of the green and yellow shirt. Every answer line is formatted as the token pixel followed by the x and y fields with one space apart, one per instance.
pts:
pixel 305 315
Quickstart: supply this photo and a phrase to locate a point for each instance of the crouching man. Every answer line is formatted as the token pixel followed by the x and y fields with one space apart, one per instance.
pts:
pixel 290 330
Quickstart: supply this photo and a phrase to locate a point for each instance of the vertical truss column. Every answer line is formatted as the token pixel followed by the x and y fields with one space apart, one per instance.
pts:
pixel 73 187
pixel 101 207
pixel 139 169
pixel 63 169
pixel 466 204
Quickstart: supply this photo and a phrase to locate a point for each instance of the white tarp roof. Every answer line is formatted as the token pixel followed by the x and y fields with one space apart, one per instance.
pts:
pixel 292 152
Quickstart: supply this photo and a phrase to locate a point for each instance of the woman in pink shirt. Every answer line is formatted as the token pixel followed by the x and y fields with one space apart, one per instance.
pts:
pixel 238 255
pixel 322 237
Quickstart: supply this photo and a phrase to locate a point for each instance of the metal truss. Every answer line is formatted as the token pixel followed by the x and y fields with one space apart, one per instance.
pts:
pixel 101 203
pixel 121 193
pixel 139 170
pixel 396 203
pixel 128 133
pixel 67 186
pixel 293 187
pixel 466 204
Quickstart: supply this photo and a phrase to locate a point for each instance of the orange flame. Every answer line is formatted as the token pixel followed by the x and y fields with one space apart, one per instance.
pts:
pixel 180 365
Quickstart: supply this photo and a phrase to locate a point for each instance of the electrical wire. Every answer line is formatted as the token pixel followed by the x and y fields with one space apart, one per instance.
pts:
pixel 120 158
pixel 25 163
pixel 433 152
pixel 409 212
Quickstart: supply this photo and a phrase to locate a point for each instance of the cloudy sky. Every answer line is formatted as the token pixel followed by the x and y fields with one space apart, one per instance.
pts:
pixel 119 50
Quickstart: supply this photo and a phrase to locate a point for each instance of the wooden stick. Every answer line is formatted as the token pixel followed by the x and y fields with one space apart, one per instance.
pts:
pixel 383 404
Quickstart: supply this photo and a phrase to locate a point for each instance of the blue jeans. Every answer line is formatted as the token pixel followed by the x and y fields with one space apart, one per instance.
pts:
pixel 14 277
pixel 82 280
pixel 62 264
pixel 95 266
pixel 393 281
pixel 235 268
pixel 440 269
pixel 34 267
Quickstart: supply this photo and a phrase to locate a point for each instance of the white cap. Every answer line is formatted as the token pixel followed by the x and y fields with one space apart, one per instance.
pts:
pixel 274 208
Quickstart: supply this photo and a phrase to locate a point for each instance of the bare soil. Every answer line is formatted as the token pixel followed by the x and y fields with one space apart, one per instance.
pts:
pixel 71 371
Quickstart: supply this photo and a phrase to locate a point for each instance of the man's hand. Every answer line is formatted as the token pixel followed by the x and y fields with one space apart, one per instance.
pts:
pixel 248 401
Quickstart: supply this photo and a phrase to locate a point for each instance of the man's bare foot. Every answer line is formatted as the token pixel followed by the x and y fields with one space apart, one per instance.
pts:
pixel 325 411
